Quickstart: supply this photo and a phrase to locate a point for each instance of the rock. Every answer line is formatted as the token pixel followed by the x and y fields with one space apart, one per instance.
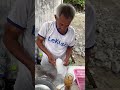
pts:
pixel 92 72
pixel 117 44
pixel 109 42
pixel 109 52
pixel 99 30
pixel 115 67
pixel 83 54
pixel 98 63
pixel 80 53
pixel 101 56
pixel 77 49
pixel 91 63
pixel 107 64
pixel 80 43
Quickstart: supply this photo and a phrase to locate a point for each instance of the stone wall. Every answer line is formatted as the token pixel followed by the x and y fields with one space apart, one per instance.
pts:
pixel 107 49
pixel 78 24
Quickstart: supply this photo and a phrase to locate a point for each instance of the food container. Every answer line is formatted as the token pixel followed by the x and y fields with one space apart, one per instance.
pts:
pixel 43 79
pixel 44 83
pixel 80 78
pixel 68 81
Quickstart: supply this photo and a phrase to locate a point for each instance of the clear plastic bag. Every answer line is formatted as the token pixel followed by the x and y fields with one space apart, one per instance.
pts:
pixel 61 69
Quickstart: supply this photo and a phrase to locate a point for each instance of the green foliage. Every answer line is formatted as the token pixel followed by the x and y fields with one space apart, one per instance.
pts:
pixel 40 54
pixel 80 3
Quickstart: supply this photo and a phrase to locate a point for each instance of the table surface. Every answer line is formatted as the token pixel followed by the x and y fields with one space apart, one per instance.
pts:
pixel 71 71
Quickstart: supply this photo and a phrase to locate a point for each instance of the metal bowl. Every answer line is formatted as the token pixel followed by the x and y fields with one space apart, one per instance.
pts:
pixel 44 83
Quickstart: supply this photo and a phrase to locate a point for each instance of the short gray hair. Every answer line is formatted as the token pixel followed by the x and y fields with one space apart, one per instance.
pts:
pixel 67 10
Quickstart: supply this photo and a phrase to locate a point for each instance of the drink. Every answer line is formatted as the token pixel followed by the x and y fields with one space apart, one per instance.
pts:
pixel 68 80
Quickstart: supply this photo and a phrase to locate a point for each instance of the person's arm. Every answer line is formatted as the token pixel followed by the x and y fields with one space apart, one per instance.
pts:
pixel 10 40
pixel 39 42
pixel 69 48
pixel 68 54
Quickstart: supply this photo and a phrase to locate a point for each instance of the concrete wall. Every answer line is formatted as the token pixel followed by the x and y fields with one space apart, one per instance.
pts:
pixel 44 11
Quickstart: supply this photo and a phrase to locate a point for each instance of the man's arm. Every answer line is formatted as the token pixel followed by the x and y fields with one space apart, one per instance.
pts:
pixel 10 40
pixel 68 54
pixel 39 42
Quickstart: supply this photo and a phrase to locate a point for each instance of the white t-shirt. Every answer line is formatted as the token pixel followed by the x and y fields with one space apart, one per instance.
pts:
pixel 89 25
pixel 55 42
pixel 22 17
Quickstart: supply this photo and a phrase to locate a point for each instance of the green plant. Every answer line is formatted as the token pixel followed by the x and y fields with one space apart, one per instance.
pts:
pixel 80 3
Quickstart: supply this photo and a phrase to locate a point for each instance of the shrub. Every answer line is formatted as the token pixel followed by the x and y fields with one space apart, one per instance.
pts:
pixel 78 4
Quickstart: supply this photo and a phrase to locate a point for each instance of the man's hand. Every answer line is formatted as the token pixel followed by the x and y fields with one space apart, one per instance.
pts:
pixel 68 54
pixel 51 59
pixel 66 62
pixel 39 42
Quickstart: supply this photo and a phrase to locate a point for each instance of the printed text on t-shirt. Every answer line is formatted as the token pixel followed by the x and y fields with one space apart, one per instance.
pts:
pixel 57 41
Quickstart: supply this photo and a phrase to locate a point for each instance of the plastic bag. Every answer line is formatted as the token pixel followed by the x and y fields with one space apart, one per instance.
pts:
pixel 61 69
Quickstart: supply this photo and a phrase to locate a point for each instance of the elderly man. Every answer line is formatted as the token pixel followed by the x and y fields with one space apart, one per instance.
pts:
pixel 58 36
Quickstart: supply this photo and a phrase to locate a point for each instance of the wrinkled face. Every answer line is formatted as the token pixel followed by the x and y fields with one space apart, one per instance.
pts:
pixel 62 23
